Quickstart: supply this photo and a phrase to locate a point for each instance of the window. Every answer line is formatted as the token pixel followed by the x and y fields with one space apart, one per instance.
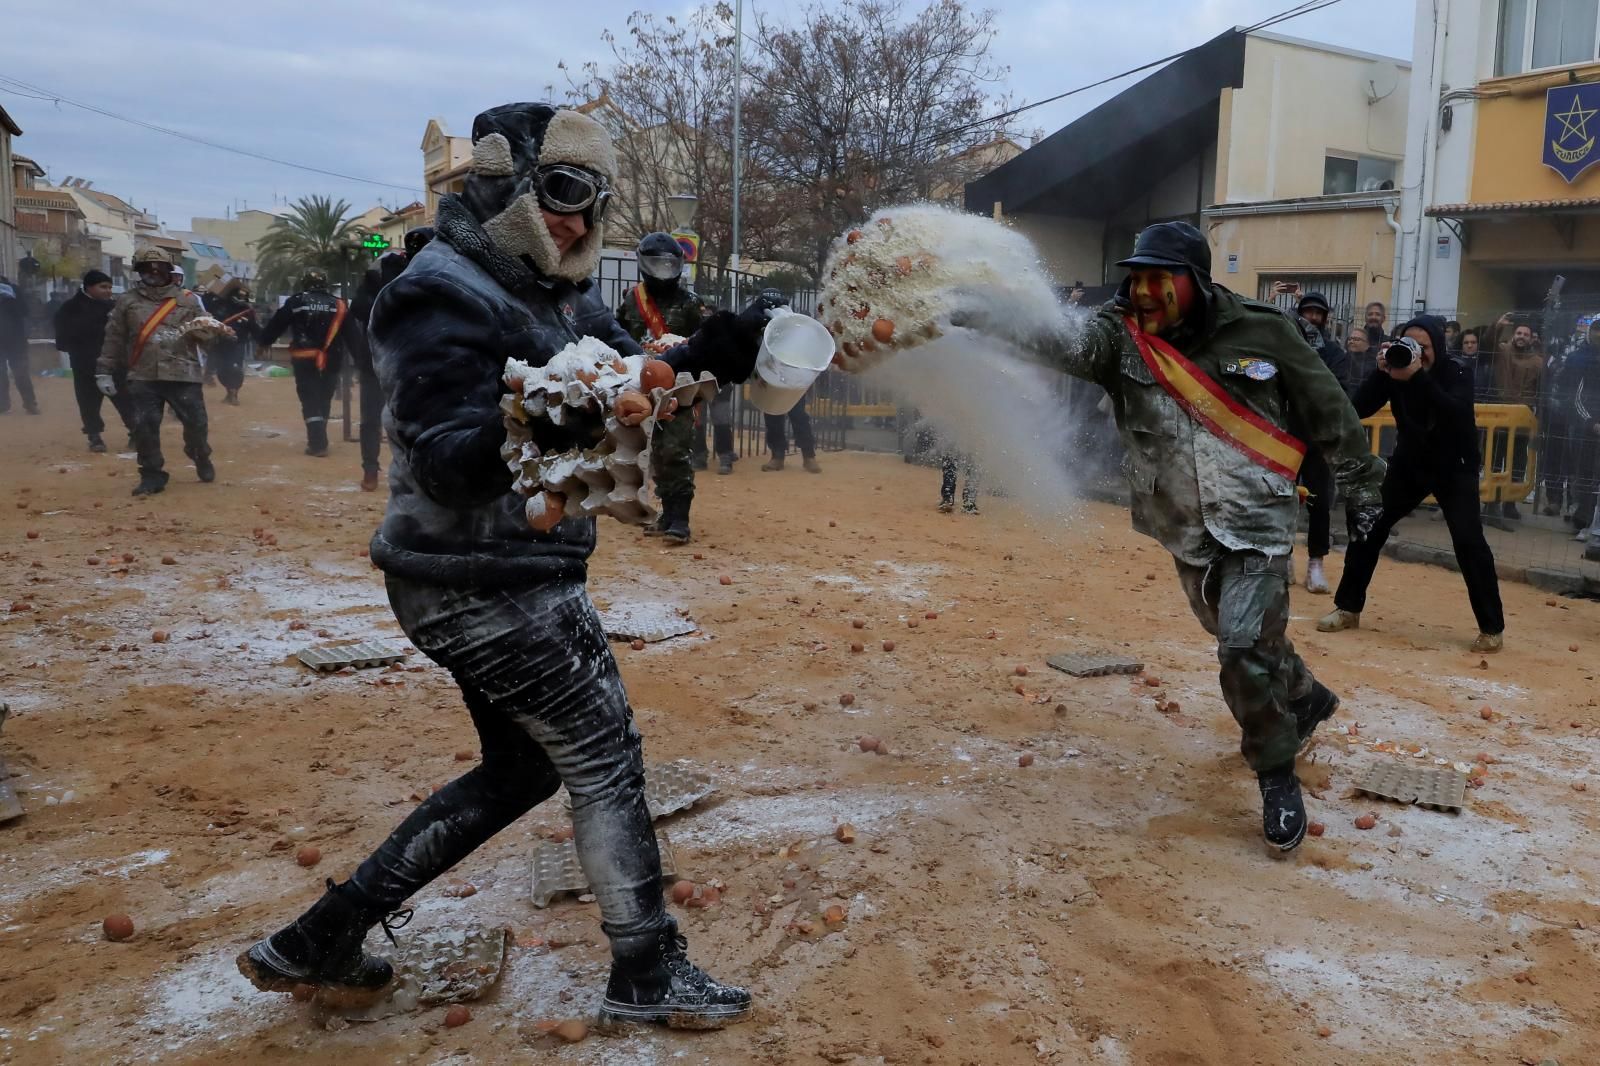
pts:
pixel 1356 174
pixel 1536 34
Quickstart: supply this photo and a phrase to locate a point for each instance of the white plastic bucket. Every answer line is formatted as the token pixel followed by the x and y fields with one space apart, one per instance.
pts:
pixel 794 350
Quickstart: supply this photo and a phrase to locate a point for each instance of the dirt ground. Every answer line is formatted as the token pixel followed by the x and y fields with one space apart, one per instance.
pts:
pixel 1109 903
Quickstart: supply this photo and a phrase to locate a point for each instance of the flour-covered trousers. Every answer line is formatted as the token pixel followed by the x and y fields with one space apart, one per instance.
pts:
pixel 547 702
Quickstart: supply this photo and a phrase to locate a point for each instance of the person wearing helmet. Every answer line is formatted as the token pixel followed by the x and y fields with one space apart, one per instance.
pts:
pixel 504 607
pixel 145 345
pixel 321 333
pixel 1201 382
pixel 389 267
pixel 661 304
pixel 232 307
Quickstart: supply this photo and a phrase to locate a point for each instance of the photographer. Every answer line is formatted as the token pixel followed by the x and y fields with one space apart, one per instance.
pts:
pixel 1436 454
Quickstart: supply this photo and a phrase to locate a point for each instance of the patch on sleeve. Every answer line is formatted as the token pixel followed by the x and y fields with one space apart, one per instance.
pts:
pixel 1252 368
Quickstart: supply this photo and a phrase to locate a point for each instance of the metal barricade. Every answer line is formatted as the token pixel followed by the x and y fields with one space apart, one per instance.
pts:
pixel 1507 433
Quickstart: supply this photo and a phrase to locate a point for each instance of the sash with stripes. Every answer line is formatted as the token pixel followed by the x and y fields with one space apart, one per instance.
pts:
pixel 654 320
pixel 148 330
pixel 321 354
pixel 1210 405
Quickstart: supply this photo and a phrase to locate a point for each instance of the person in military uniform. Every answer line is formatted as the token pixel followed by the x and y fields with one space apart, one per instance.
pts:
pixel 321 332
pixel 1201 381
pixel 232 307
pixel 146 346
pixel 660 305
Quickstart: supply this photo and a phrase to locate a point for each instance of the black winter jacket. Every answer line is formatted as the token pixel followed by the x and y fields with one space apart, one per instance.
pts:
pixel 1436 427
pixel 441 334
pixel 81 328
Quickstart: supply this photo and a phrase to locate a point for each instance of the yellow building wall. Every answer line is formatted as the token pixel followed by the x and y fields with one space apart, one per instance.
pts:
pixel 1357 242
pixel 1509 144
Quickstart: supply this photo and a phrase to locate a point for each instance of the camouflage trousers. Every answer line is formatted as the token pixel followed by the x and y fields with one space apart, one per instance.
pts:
pixel 148 400
pixel 670 457
pixel 1243 600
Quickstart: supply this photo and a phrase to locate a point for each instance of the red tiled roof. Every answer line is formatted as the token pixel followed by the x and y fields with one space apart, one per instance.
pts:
pixel 48 199
pixel 1513 207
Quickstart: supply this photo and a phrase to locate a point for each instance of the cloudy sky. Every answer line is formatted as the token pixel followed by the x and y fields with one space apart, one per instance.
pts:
pixel 348 85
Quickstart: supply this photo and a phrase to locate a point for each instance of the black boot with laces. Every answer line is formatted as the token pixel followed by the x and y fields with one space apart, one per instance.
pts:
pixel 654 983
pixel 1311 710
pixel 1283 811
pixel 323 948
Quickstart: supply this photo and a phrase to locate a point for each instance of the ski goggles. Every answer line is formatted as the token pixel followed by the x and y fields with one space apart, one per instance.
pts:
pixel 568 190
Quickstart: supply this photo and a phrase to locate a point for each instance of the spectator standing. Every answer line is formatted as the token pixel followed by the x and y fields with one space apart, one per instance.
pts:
pixel 14 349
pixel 1436 454
pixel 1581 383
pixel 1519 375
pixel 1315 474
pixel 80 329
pixel 1452 337
pixel 1475 359
pixel 1361 360
pixel 1375 319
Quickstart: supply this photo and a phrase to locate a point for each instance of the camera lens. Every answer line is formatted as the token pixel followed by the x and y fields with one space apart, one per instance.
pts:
pixel 1397 355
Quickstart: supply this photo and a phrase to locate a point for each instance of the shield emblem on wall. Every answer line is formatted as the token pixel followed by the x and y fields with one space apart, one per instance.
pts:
pixel 1571 124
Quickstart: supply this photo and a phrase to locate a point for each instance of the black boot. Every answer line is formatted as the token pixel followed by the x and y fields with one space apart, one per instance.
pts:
pixel 96 445
pixel 724 464
pixel 653 982
pixel 675 512
pixel 150 484
pixel 205 470
pixel 1283 811
pixel 323 947
pixel 317 438
pixel 1311 710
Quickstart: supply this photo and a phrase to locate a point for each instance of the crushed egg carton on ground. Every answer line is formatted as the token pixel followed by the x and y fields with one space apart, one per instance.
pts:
pixel 580 387
pixel 890 282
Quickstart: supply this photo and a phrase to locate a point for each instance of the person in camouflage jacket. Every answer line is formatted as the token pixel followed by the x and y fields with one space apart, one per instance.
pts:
pixel 658 306
pixel 147 347
pixel 1228 517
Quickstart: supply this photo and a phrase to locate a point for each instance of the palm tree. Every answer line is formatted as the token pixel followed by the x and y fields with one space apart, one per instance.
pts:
pixel 315 233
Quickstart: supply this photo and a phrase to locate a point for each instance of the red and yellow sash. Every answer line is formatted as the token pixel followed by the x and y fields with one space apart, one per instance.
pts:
pixel 148 330
pixel 321 354
pixel 654 320
pixel 1210 405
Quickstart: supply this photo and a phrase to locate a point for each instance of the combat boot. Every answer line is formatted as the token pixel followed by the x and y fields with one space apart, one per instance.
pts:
pixel 675 513
pixel 654 983
pixel 1488 643
pixel 724 464
pixel 811 465
pixel 96 445
pixel 775 463
pixel 204 469
pixel 322 947
pixel 1311 710
pixel 1283 810
pixel 150 484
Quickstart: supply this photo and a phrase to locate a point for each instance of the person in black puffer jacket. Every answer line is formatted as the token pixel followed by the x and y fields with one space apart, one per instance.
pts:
pixel 80 332
pixel 502 607
pixel 1436 453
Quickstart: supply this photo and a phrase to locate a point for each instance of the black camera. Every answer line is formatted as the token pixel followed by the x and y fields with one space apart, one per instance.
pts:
pixel 1400 352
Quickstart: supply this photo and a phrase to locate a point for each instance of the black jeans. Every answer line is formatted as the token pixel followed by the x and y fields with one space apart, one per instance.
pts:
pixel 722 423
pixel 371 419
pixel 90 398
pixel 148 400
pixel 546 699
pixel 777 441
pixel 1404 486
pixel 1317 477
pixel 15 365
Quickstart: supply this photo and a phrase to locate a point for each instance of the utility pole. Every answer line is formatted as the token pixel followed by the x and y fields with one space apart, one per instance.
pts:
pixel 738 89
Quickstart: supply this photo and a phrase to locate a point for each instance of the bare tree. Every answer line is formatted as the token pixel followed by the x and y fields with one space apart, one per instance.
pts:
pixel 861 106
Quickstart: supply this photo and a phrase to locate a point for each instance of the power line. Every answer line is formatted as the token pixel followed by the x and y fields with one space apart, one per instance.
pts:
pixel 18 87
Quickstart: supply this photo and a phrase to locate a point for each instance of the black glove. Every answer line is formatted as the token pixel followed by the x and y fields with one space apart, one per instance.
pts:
pixel 725 346
pixel 1363 520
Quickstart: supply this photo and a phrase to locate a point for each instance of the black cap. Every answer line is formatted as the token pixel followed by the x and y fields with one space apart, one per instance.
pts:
pixel 95 277
pixel 1171 244
pixel 1315 300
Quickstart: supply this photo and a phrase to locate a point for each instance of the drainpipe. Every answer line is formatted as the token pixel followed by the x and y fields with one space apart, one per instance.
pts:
pixel 1422 268
pixel 1399 254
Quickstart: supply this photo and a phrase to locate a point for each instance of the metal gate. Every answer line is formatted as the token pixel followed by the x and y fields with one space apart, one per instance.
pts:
pixel 1339 289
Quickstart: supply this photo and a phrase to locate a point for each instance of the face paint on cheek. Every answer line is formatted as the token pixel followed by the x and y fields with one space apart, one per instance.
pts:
pixel 1161 299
